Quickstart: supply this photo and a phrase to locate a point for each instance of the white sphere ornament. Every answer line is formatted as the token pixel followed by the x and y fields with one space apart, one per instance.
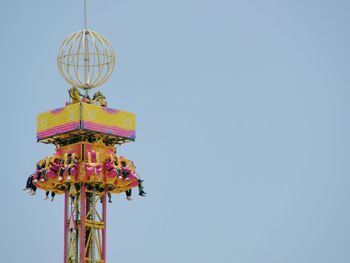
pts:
pixel 86 59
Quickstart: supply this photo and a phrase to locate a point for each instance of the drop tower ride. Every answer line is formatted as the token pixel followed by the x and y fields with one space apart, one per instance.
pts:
pixel 85 167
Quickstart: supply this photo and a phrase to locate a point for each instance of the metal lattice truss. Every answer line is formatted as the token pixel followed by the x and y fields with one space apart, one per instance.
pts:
pixel 85 225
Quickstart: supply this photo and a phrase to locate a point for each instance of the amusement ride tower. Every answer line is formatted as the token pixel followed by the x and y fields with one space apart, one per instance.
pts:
pixel 85 167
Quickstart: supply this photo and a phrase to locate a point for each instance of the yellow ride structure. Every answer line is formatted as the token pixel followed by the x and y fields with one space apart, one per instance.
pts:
pixel 85 167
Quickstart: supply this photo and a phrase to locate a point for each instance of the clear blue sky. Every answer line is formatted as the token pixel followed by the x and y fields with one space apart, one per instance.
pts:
pixel 242 129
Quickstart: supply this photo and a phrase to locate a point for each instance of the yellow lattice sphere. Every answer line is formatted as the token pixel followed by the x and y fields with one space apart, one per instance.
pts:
pixel 86 59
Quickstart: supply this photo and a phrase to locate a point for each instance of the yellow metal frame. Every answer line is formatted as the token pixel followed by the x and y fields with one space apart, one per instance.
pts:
pixel 86 59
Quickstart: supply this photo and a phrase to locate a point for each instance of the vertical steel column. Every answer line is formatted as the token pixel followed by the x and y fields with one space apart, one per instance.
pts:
pixel 77 214
pixel 104 219
pixel 65 226
pixel 93 230
pixel 82 225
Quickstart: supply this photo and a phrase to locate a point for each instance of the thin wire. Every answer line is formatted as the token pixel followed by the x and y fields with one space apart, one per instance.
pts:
pixel 84 14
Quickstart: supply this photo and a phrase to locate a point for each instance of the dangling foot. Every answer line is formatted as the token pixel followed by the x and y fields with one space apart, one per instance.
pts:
pixel 60 178
pixel 46 197
pixel 129 198
pixel 142 193
pixel 68 178
pixel 25 189
pixel 52 198
pixel 109 201
pixel 32 193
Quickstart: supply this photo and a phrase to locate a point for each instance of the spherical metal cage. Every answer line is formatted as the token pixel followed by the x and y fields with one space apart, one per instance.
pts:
pixel 86 59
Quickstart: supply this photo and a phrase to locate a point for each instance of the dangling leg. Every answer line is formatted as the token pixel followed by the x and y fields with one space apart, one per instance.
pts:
pixel 38 176
pixel 46 195
pixel 27 184
pixel 52 196
pixel 125 175
pixel 119 173
pixel 128 195
pixel 101 190
pixel 69 173
pixel 43 176
pixel 60 177
pixel 33 189
pixel 109 197
pixel 141 192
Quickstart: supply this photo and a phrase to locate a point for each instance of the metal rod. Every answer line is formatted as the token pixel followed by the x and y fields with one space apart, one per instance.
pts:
pixel 65 226
pixel 82 227
pixel 85 14
pixel 92 229
pixel 104 219
pixel 76 200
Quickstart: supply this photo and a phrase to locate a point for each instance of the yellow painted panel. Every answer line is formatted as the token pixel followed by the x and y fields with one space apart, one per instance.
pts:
pixel 58 117
pixel 104 116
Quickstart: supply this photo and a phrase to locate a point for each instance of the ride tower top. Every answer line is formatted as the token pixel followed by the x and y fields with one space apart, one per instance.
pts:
pixel 86 60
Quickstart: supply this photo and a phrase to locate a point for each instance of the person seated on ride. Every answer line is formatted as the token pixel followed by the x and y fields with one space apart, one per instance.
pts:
pixel 111 166
pixel 116 164
pixel 47 195
pixel 109 198
pixel 125 170
pixel 98 98
pixel 140 181
pixel 74 94
pixel 40 168
pixel 69 165
pixel 109 195
pixel 132 173
pixel 140 187
pixel 109 187
pixel 93 166
pixel 86 99
pixel 54 167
